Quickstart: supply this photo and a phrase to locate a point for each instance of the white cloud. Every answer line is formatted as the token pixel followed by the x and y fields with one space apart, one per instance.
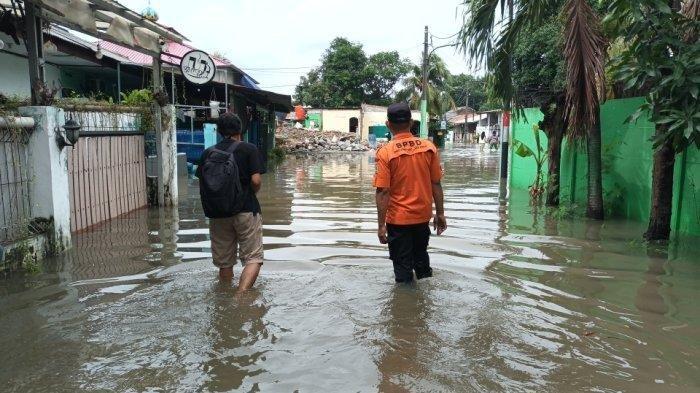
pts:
pixel 274 34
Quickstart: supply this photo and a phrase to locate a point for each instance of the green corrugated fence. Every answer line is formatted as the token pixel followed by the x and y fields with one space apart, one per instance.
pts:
pixel 627 165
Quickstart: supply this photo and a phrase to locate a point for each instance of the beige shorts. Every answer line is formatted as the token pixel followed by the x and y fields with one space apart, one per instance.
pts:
pixel 240 235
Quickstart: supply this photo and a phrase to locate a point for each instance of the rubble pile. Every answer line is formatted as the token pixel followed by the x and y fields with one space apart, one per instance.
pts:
pixel 305 140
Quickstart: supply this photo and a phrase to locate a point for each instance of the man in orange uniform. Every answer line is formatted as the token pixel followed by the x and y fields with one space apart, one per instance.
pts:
pixel 408 181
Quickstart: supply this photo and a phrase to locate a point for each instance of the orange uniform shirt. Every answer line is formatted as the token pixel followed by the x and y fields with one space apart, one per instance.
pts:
pixel 408 166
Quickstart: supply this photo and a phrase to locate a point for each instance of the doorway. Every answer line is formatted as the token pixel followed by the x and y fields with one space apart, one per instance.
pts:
pixel 354 123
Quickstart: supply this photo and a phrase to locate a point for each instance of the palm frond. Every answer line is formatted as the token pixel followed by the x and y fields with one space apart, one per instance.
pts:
pixel 691 9
pixel 584 52
pixel 488 38
pixel 475 38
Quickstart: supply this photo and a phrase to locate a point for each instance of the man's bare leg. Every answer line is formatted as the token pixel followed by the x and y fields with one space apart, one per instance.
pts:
pixel 226 273
pixel 248 276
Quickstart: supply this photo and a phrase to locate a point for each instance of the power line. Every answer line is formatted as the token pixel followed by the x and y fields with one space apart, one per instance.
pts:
pixel 444 38
pixel 278 72
pixel 274 68
pixel 270 87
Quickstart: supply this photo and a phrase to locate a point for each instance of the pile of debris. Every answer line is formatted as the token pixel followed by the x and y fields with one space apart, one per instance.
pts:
pixel 305 140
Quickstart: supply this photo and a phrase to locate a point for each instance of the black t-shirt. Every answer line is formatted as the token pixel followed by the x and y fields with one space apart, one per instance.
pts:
pixel 249 163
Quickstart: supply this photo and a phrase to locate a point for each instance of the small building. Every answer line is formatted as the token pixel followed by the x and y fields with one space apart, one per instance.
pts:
pixel 351 120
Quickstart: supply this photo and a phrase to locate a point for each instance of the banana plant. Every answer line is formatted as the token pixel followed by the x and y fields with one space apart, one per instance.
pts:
pixel 521 149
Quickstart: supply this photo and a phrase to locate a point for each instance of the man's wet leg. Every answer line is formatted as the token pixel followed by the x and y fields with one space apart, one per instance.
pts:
pixel 249 230
pixel 248 276
pixel 226 273
pixel 421 239
pixel 401 252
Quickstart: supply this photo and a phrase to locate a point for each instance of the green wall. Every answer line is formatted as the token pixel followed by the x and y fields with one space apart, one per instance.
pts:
pixel 316 118
pixel 627 164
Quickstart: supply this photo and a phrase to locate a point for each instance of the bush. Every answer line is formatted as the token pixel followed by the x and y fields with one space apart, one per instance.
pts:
pixel 137 98
pixel 276 154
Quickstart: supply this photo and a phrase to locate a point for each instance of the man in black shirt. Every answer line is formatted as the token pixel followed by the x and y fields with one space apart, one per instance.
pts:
pixel 240 234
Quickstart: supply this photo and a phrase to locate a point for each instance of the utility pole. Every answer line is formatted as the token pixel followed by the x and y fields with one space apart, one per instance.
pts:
pixel 424 90
pixel 505 116
pixel 465 127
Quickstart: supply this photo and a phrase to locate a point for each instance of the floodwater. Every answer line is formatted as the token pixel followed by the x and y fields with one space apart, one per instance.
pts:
pixel 521 300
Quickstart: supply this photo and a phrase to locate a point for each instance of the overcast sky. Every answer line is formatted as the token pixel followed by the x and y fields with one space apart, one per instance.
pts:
pixel 274 34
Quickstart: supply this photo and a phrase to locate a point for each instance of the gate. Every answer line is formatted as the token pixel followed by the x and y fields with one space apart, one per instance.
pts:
pixel 15 182
pixel 106 167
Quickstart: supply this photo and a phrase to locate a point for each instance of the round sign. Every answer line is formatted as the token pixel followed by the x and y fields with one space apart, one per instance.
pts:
pixel 198 67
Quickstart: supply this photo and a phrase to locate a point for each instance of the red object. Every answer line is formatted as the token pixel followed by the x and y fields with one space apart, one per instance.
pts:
pixel 506 119
pixel 300 113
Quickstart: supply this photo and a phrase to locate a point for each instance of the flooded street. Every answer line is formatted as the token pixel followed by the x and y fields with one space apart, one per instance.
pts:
pixel 520 300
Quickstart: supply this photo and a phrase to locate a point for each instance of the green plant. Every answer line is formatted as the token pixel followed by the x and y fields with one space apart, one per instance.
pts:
pixel 21 256
pixel 661 62
pixel 276 154
pixel 10 104
pixel 613 199
pixel 565 212
pixel 537 188
pixel 142 97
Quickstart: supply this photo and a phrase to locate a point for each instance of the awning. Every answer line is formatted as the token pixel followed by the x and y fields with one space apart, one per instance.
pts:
pixel 470 118
pixel 279 102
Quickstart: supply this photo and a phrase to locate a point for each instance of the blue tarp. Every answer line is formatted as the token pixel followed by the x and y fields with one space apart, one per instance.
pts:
pixel 249 83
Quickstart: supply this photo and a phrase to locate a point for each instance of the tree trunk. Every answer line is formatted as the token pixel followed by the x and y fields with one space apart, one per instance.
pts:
pixel 554 125
pixel 595 174
pixel 661 192
pixel 554 172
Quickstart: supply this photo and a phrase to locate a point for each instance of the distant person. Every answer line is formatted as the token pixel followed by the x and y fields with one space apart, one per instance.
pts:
pixel 229 174
pixel 407 182
pixel 482 140
pixel 493 142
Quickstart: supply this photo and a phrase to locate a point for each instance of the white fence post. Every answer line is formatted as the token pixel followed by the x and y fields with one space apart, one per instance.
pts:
pixel 49 187
pixel 167 157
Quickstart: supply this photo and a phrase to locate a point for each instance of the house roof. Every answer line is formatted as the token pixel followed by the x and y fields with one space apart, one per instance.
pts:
pixel 466 118
pixel 104 19
pixel 172 54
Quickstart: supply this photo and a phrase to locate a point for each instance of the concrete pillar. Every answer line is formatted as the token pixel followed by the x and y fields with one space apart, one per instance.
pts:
pixel 49 191
pixel 167 158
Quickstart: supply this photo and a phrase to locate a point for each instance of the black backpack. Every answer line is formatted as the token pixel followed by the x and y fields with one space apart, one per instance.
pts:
pixel 220 184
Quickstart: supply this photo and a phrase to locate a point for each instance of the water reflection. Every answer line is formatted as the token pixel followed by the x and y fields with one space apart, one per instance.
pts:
pixel 407 349
pixel 236 322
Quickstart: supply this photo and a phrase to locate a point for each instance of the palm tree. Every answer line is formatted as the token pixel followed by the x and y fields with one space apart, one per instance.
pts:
pixel 439 98
pixel 489 34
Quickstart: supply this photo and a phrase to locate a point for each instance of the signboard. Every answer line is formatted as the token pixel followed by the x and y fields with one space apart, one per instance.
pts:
pixel 443 125
pixel 197 67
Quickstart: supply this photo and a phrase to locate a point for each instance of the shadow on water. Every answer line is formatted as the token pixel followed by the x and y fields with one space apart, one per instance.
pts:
pixel 522 299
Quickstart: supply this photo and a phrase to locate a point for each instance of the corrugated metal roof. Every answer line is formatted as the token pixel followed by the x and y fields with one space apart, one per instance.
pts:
pixel 172 55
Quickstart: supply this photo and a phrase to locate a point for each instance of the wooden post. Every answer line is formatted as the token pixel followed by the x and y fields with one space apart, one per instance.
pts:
pixel 34 51
pixel 119 82
pixel 158 123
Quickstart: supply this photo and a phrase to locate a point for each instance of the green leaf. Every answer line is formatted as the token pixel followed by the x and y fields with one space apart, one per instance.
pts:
pixel 663 7
pixel 522 150
pixel 694 91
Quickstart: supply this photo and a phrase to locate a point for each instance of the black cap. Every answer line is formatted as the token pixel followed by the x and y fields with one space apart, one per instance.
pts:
pixel 398 113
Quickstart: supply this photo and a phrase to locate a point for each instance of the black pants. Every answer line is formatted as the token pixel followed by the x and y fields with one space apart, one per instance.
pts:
pixel 408 250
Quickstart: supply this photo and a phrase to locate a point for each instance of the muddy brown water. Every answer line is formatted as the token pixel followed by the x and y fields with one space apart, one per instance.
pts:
pixel 522 300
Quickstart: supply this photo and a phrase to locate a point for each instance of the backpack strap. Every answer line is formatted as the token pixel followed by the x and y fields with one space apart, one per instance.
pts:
pixel 234 146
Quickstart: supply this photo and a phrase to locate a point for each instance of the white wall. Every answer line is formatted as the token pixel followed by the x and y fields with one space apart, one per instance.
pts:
pixel 339 119
pixel 14 75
